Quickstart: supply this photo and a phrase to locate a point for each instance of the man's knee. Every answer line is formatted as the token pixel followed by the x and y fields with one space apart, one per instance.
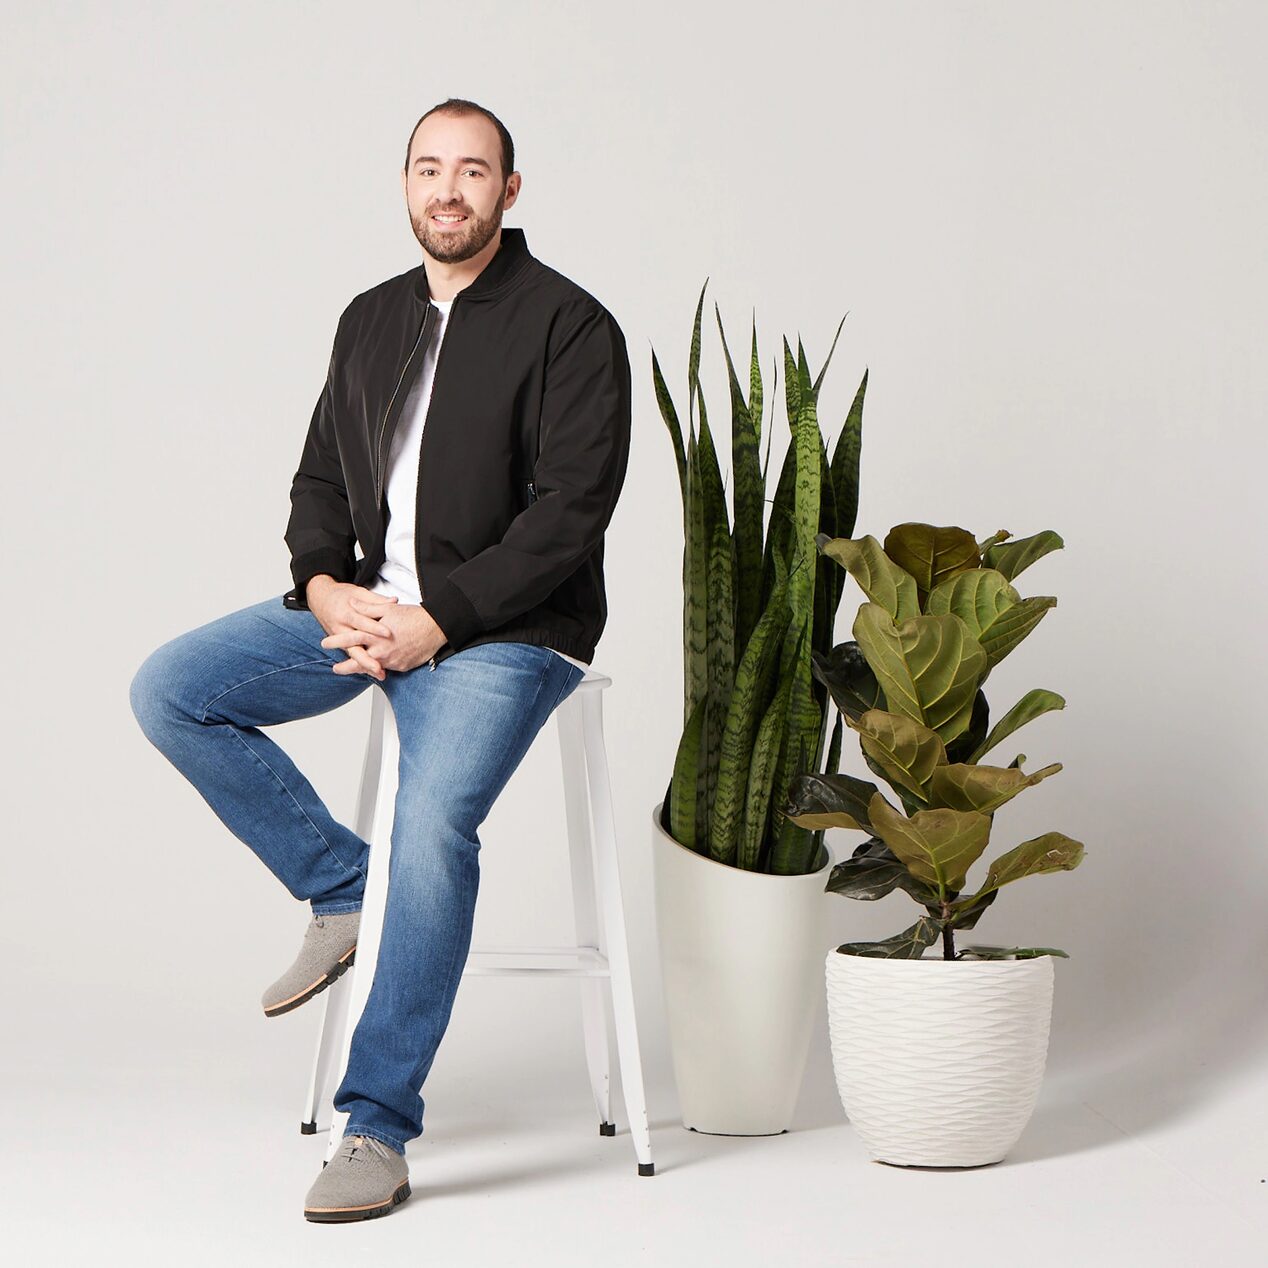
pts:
pixel 154 692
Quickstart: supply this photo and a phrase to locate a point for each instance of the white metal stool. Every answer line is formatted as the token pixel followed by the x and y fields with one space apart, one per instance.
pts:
pixel 600 958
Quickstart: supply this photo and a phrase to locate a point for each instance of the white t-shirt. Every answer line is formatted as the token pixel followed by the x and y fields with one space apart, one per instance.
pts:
pixel 396 574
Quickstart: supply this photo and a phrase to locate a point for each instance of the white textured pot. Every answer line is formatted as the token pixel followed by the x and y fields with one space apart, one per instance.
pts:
pixel 740 954
pixel 939 1062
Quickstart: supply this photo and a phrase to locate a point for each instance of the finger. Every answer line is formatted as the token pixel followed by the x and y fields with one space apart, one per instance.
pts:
pixel 355 665
pixel 370 598
pixel 366 661
pixel 372 625
pixel 343 636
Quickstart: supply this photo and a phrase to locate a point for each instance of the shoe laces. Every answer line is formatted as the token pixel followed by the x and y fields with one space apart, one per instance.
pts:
pixel 354 1145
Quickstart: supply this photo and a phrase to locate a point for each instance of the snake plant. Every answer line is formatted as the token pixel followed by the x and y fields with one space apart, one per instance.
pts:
pixel 757 604
pixel 941 613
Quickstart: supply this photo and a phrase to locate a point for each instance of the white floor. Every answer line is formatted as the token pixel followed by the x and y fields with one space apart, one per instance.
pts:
pixel 181 1147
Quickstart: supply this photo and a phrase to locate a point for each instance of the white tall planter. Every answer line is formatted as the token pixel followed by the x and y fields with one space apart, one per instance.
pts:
pixel 740 958
pixel 939 1062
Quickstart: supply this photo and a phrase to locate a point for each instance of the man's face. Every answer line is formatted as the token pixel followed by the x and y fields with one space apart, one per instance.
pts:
pixel 455 168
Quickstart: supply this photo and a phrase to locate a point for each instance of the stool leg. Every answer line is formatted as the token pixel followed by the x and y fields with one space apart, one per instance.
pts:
pixel 361 973
pixel 594 996
pixel 608 872
pixel 334 999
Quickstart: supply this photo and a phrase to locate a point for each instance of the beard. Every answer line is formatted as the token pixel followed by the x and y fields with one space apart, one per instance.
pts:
pixel 450 246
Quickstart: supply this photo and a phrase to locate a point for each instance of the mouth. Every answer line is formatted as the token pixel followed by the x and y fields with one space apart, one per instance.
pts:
pixel 445 221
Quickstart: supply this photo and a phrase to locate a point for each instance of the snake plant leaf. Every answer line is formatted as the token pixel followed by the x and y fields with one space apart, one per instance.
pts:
pixel 938 846
pixel 807 500
pixel 1009 953
pixel 967 912
pixel 755 386
pixel 849 679
pixel 761 778
pixel 770 431
pixel 667 411
pixel 845 464
pixel 882 580
pixel 831 350
pixel 693 359
pixel 928 666
pixel 792 846
pixel 1051 852
pixel 1034 703
pixel 961 786
pixel 754 686
pixel 1012 558
pixel 908 752
pixel 908 945
pixel 748 497
pixel 711 486
pixel 792 388
pixel 829 801
pixel 721 656
pixel 695 583
pixel 931 554
pixel 683 785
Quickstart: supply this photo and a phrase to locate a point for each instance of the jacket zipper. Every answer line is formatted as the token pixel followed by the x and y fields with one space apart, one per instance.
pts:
pixel 418 483
pixel 382 460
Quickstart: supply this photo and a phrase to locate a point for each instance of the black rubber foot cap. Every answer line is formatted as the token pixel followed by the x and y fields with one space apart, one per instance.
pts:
pixel 647 1168
pixel 607 1129
pixel 308 1129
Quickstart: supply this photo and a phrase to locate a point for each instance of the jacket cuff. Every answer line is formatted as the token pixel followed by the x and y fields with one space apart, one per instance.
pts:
pixel 328 560
pixel 450 608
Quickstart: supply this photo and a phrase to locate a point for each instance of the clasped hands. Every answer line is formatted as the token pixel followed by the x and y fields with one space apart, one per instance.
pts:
pixel 376 631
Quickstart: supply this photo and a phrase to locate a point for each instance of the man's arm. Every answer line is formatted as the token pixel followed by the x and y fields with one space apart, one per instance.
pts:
pixel 319 533
pixel 584 449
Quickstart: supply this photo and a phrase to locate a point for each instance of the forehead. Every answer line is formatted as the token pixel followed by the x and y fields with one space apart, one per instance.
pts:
pixel 456 137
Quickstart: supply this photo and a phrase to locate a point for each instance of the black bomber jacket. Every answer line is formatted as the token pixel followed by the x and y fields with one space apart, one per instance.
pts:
pixel 523 453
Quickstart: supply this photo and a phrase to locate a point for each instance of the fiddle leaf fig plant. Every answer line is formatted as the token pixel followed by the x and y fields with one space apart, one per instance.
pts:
pixel 941 613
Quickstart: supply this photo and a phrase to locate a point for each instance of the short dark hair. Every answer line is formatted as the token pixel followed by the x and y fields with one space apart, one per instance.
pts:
pixel 461 106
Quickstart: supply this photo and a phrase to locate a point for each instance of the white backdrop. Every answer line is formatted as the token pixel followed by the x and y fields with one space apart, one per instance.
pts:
pixel 1046 223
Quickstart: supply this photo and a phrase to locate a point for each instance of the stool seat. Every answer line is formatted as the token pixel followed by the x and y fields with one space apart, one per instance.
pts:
pixel 599 958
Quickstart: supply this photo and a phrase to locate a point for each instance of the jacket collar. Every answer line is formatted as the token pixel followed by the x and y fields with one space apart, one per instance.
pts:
pixel 512 254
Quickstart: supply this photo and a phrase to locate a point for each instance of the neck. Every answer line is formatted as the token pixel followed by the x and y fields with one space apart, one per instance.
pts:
pixel 445 280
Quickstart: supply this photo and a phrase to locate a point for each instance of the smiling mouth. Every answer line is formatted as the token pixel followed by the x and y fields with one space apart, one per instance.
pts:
pixel 457 220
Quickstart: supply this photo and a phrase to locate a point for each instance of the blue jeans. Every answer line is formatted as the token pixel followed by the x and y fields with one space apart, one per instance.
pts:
pixel 202 699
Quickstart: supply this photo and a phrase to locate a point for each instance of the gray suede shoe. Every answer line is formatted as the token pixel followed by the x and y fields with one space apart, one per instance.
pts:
pixel 330 944
pixel 365 1179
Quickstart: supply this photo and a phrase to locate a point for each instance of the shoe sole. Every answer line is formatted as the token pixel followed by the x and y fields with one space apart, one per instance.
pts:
pixel 348 958
pixel 344 1214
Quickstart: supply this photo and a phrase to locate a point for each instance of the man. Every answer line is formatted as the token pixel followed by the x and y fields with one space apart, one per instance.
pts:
pixel 472 437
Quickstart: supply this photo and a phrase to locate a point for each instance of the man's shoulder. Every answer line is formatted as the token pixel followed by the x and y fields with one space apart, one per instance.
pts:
pixel 393 288
pixel 565 294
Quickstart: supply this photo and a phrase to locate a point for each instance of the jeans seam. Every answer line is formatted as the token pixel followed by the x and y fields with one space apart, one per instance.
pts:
pixel 307 818
pixel 559 696
pixel 280 669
